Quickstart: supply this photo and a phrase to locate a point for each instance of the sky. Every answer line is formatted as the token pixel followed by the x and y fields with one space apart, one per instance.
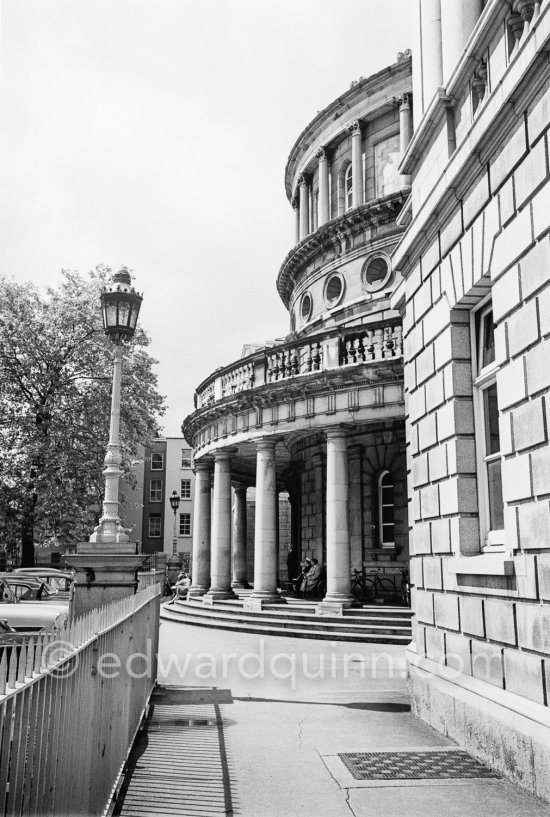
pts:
pixel 155 134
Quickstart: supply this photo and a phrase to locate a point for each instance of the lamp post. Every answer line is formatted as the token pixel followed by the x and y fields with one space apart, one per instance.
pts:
pixel 106 565
pixel 174 504
pixel 120 305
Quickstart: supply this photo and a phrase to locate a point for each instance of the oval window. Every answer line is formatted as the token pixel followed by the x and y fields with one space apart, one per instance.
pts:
pixel 334 290
pixel 307 304
pixel 376 273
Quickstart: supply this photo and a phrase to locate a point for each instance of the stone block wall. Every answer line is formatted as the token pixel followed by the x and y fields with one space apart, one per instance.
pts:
pixel 484 615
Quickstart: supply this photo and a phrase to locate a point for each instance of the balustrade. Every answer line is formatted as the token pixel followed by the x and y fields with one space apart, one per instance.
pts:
pixel 379 343
pixel 317 354
pixel 238 379
pixel 296 360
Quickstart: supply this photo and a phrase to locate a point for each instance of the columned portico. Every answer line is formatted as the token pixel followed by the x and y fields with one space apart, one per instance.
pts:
pixel 202 528
pixel 220 570
pixel 240 579
pixel 357 163
pixel 338 565
pixel 265 534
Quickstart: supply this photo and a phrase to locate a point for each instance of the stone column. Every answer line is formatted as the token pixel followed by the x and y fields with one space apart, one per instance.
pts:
pixel 338 564
pixel 430 44
pixel 355 506
pixel 323 187
pixel 457 23
pixel 202 523
pixel 265 534
pixel 220 569
pixel 239 537
pixel 404 131
pixel 357 162
pixel 319 535
pixel 296 208
pixel 304 206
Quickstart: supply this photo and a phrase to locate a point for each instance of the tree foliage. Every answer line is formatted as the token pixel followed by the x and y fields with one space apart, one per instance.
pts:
pixel 55 398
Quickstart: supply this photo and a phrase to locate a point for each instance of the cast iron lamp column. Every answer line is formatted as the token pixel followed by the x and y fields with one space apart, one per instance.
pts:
pixel 120 305
pixel 173 563
pixel 106 566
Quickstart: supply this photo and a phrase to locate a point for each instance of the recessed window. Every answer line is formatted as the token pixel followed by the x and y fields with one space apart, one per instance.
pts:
pixel 386 514
pixel 334 289
pixel 306 307
pixel 155 490
pixel 491 505
pixel 154 525
pixel 185 492
pixel 157 462
pixel 185 458
pixel 185 524
pixel 348 187
pixel 376 273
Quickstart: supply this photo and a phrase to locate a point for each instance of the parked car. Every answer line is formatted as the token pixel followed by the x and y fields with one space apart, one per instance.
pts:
pixel 31 588
pixel 29 615
pixel 59 581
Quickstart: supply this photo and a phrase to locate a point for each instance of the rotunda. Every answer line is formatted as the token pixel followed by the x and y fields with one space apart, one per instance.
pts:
pixel 319 414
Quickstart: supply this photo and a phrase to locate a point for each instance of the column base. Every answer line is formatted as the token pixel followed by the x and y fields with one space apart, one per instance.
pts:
pixel 210 598
pixel 331 606
pixel 240 585
pixel 256 604
pixel 196 592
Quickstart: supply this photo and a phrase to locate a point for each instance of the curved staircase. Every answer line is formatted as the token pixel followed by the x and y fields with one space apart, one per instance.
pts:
pixel 296 618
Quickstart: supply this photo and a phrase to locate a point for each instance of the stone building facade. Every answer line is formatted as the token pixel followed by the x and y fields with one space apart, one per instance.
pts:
pixel 475 301
pixel 319 414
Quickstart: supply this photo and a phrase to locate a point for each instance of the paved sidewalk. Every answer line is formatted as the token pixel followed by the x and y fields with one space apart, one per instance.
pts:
pixel 287 709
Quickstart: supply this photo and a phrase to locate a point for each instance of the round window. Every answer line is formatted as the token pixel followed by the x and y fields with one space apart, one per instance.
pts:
pixel 376 273
pixel 307 304
pixel 334 289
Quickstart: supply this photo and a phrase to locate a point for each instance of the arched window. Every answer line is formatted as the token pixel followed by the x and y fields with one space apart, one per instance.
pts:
pixel 386 513
pixel 348 187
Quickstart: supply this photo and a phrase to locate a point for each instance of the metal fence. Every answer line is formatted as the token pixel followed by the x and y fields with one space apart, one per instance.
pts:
pixel 71 703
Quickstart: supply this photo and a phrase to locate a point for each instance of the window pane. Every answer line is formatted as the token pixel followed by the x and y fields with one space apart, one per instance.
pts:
pixel 488 340
pixel 156 462
pixel 155 490
pixel 490 413
pixel 387 515
pixel 496 505
pixel 185 489
pixel 154 525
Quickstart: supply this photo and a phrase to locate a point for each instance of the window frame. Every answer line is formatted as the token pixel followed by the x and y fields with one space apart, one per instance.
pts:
pixel 492 540
pixel 348 187
pixel 157 454
pixel 184 517
pixel 158 490
pixel 381 524
pixel 187 493
pixel 186 461
pixel 156 517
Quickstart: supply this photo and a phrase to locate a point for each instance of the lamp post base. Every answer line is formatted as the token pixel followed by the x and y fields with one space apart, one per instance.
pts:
pixel 103 574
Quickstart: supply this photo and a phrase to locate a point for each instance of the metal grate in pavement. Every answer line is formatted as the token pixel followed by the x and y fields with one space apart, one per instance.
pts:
pixel 413 765
pixel 180 766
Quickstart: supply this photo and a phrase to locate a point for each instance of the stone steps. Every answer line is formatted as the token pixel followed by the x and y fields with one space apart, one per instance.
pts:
pixel 366 624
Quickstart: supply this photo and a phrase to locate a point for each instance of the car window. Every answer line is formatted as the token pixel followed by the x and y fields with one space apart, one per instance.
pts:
pixel 5 594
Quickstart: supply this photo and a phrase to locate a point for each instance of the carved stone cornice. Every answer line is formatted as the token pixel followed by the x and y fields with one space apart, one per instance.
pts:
pixel 333 233
pixel 374 373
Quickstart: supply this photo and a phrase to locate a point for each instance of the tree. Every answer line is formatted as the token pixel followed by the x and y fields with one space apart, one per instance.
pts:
pixel 55 397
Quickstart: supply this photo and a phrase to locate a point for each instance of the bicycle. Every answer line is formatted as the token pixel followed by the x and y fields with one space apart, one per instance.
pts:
pixel 367 589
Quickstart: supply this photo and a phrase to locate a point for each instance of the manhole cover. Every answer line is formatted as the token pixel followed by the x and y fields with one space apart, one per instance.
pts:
pixel 413 765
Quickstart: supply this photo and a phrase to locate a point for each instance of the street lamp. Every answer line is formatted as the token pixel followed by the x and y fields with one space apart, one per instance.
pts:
pixel 120 305
pixel 174 504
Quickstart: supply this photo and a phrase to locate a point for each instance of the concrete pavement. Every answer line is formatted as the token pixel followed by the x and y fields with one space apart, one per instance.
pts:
pixel 287 709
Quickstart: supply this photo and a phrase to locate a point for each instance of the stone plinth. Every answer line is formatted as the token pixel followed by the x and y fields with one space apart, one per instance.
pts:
pixel 256 605
pixel 105 572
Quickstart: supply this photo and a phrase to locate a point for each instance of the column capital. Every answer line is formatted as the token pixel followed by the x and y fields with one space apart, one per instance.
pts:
pixel 322 154
pixel 295 202
pixel 204 464
pixel 267 443
pixel 337 432
pixel 355 128
pixel 302 180
pixel 225 453
pixel 403 101
pixel 239 487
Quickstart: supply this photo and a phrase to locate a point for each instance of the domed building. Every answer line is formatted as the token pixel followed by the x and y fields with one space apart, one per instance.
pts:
pixel 320 413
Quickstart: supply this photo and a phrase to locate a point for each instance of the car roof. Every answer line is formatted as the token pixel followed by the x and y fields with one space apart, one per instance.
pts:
pixel 47 571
